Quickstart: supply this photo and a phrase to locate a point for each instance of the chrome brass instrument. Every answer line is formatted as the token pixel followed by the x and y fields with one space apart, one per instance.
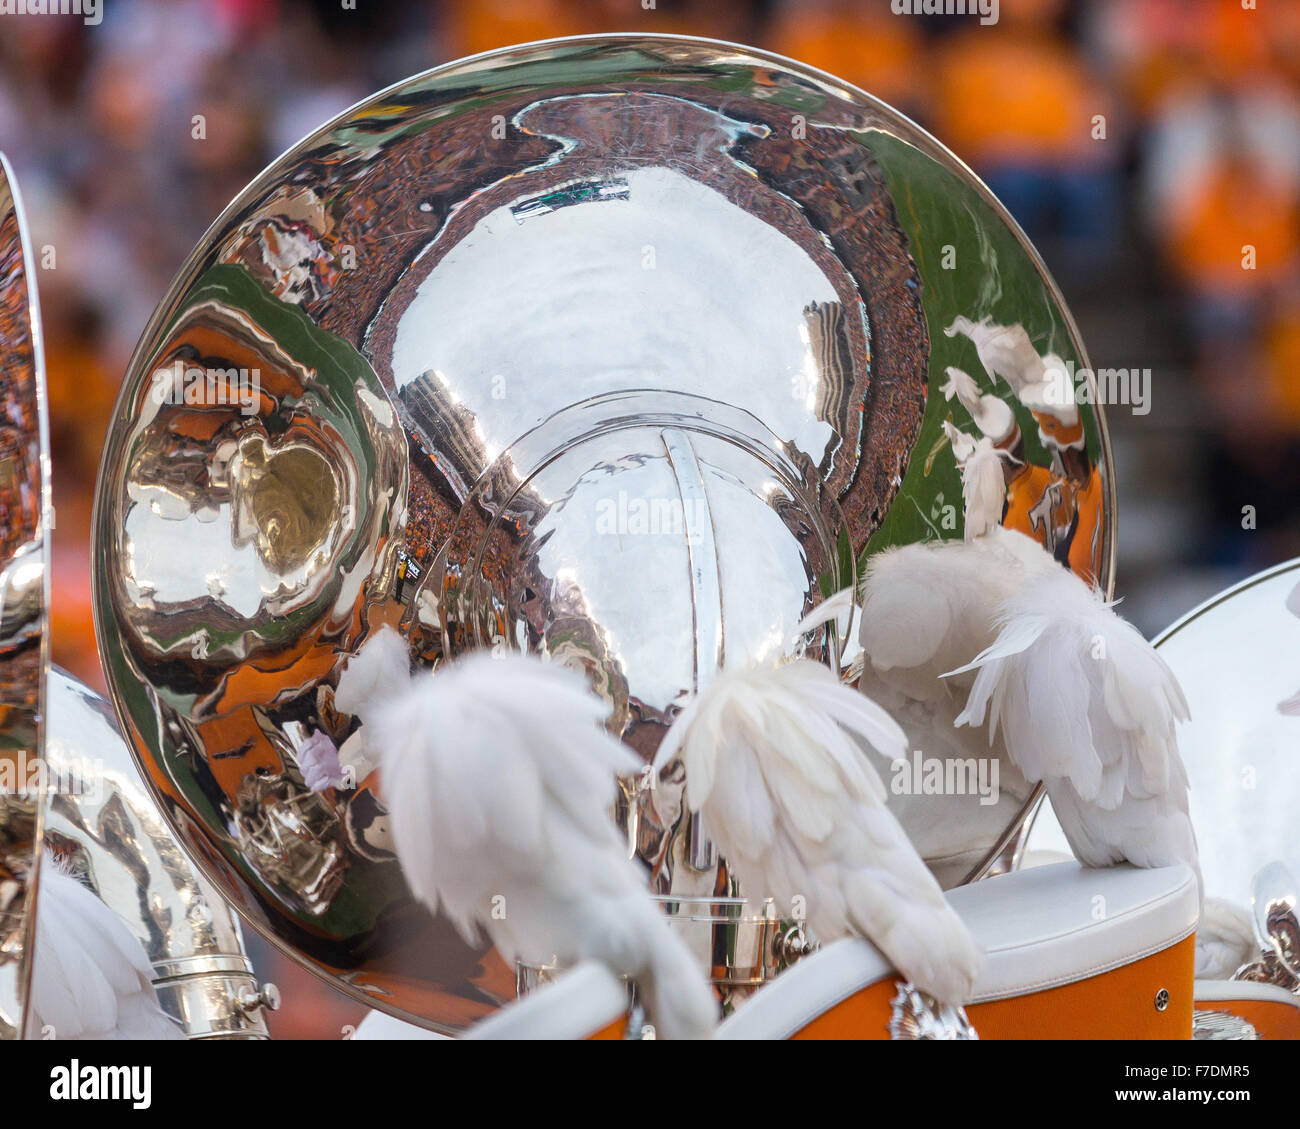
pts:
pixel 1275 895
pixel 102 826
pixel 67 780
pixel 24 602
pixel 620 350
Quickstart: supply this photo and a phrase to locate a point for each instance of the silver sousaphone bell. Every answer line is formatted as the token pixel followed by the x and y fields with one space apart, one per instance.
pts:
pixel 68 786
pixel 624 351
pixel 24 599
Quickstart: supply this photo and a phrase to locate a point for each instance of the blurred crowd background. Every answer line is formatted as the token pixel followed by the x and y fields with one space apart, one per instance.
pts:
pixel 1175 236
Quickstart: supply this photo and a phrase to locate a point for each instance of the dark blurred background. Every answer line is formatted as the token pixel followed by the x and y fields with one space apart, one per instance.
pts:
pixel 1175 236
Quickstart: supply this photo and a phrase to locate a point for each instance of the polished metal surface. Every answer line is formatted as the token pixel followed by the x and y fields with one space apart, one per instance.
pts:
pixel 1273 900
pixel 102 826
pixel 1237 658
pixel 24 602
pixel 915 1016
pixel 1274 897
pixel 741 943
pixel 624 351
pixel 1221 1026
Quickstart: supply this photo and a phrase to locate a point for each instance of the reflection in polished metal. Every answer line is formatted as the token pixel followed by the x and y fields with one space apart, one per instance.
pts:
pixel 104 829
pixel 618 350
pixel 1221 1026
pixel 24 600
pixel 1274 900
pixel 1277 929
pixel 915 1016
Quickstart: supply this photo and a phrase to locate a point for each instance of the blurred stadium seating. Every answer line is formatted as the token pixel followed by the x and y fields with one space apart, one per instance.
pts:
pixel 1144 226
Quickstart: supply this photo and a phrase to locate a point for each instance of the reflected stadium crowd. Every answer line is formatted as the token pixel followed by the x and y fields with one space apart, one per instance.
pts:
pixel 1150 148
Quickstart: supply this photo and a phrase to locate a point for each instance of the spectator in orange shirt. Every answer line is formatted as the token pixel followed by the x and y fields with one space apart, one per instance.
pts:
pixel 1016 101
pixel 865 44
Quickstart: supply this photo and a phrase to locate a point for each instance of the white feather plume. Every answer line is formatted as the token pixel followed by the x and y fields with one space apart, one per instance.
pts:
pixel 91 979
pixel 1041 383
pixel 1084 703
pixel 926 608
pixel 1054 393
pixel 961 385
pixel 953 631
pixel 772 762
pixel 500 781
pixel 983 486
pixel 933 605
pixel 1225 940
pixel 991 415
pixel 1005 351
